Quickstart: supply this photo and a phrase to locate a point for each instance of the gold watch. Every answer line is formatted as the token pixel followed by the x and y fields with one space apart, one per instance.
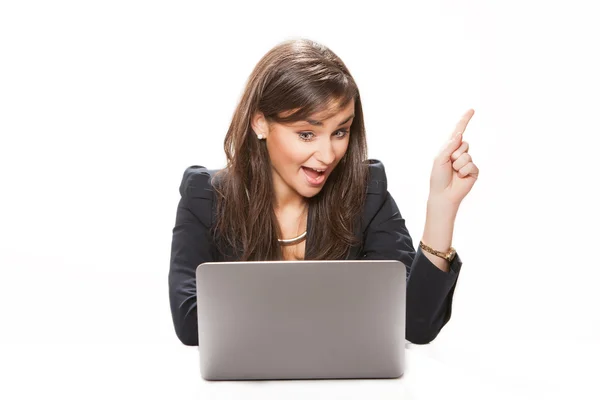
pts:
pixel 448 256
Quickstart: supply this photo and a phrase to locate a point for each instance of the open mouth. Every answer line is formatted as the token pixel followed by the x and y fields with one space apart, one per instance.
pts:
pixel 314 176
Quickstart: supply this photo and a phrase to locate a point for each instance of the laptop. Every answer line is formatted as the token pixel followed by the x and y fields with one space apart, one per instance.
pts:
pixel 301 319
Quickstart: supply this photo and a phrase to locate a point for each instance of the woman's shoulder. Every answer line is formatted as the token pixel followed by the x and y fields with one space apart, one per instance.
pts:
pixel 377 193
pixel 196 190
pixel 377 183
pixel 198 181
pixel 195 182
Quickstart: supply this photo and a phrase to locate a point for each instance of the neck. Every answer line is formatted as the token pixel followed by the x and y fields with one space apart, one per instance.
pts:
pixel 285 197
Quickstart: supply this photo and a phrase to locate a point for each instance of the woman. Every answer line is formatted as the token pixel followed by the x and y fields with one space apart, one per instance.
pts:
pixel 298 185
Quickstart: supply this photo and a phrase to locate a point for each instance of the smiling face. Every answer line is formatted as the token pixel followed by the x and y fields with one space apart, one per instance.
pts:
pixel 299 148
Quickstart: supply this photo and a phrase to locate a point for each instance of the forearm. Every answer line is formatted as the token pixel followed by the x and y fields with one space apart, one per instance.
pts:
pixel 439 227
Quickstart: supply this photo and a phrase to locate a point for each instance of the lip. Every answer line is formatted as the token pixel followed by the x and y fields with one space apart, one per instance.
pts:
pixel 320 181
pixel 325 170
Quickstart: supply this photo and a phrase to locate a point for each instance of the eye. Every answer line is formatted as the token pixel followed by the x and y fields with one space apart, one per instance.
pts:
pixel 305 136
pixel 343 132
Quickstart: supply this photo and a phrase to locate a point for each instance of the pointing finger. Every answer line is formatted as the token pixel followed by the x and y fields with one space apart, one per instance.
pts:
pixel 462 124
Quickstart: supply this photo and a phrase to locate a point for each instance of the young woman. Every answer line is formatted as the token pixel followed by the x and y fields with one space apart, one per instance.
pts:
pixel 298 185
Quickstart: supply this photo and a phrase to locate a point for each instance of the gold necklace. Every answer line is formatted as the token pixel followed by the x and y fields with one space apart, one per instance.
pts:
pixel 297 239
pixel 287 242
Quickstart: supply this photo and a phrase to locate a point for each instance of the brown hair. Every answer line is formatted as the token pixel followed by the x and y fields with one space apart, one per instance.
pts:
pixel 304 77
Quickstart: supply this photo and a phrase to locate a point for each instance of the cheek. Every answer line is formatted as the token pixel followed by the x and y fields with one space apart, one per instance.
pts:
pixel 285 153
pixel 341 149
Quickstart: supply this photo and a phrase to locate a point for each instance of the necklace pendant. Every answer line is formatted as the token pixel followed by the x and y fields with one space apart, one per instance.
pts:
pixel 288 242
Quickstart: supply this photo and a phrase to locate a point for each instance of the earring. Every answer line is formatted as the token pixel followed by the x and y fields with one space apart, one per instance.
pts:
pixel 260 136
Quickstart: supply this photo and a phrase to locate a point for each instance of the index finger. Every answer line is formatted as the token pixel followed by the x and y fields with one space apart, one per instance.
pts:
pixel 462 124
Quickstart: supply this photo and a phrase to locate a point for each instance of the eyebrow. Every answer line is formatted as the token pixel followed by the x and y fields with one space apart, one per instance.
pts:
pixel 319 123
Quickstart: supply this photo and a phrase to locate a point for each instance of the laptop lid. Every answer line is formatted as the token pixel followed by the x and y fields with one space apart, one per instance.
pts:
pixel 301 319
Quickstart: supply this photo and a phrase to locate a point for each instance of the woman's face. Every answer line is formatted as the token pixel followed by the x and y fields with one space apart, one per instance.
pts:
pixel 299 148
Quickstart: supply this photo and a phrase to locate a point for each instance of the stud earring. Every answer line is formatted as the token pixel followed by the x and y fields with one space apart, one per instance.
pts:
pixel 260 136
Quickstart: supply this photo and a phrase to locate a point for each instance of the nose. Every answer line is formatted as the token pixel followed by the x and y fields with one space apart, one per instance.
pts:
pixel 325 153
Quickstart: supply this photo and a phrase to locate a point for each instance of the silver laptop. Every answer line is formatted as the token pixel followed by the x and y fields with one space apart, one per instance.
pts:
pixel 301 319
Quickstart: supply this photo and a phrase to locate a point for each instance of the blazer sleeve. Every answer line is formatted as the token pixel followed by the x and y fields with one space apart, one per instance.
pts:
pixel 429 290
pixel 191 245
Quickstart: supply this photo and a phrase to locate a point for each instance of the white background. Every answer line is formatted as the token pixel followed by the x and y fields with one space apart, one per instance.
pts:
pixel 104 104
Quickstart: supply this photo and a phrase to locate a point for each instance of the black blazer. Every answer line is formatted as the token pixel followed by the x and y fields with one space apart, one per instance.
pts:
pixel 429 290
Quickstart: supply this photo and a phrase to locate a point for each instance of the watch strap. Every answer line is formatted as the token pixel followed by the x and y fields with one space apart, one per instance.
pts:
pixel 448 256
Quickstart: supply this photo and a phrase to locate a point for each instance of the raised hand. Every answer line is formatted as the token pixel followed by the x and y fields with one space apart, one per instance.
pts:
pixel 453 173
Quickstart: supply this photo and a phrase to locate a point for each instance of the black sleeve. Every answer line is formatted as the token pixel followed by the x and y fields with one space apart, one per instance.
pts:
pixel 429 290
pixel 191 246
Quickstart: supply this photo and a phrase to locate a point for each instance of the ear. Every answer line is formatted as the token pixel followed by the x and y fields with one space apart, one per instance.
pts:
pixel 259 123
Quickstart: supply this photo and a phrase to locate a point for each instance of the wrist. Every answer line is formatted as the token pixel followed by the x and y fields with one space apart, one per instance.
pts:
pixel 441 208
pixel 439 224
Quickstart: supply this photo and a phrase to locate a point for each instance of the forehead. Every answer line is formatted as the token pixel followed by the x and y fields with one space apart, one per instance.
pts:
pixel 332 111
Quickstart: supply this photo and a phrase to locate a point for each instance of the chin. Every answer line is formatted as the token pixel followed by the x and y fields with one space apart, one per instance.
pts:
pixel 310 191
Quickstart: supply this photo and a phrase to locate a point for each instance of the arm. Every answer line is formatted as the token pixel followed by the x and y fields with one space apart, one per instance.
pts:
pixel 439 227
pixel 191 246
pixel 429 289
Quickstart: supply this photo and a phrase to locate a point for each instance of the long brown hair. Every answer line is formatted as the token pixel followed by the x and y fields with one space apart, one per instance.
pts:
pixel 303 77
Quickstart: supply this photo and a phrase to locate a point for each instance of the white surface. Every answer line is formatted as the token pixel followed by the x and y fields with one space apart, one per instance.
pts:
pixel 481 369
